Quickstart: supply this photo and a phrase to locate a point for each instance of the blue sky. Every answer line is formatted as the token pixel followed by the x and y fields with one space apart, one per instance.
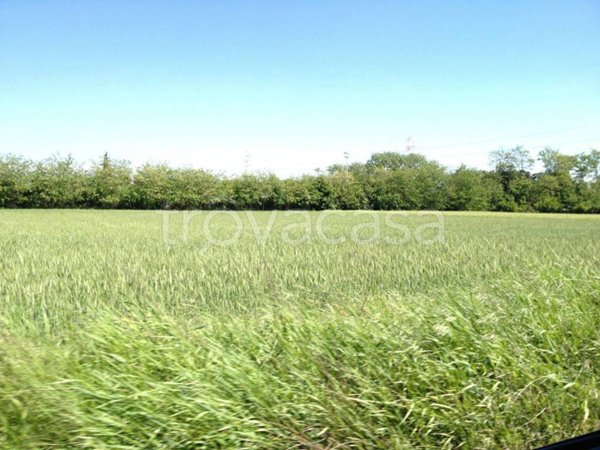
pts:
pixel 295 84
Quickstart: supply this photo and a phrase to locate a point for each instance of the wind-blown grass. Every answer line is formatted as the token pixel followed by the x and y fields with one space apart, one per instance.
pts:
pixel 112 339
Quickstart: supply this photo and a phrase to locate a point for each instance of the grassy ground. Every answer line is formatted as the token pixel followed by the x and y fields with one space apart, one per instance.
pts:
pixel 120 333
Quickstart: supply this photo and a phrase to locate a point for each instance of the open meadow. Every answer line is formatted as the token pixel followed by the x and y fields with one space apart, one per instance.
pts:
pixel 173 330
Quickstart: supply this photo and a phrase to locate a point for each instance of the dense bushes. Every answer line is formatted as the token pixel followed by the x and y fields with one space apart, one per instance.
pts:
pixel 386 181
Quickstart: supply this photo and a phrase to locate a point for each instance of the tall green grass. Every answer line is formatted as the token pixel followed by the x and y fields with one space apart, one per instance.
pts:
pixel 112 339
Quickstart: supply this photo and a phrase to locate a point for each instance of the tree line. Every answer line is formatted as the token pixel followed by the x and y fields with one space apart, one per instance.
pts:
pixel 387 181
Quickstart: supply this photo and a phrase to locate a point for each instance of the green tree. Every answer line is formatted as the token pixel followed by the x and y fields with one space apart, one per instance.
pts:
pixel 516 159
pixel 395 161
pixel 587 165
pixel 468 190
pixel 254 191
pixel 393 189
pixel 345 191
pixel 555 162
pixel 152 187
pixel 111 183
pixel 56 183
pixel 594 197
pixel 14 181
pixel 513 169
pixel 309 192
pixel 194 189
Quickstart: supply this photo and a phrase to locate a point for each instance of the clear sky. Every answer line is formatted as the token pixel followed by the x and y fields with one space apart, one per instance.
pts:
pixel 295 84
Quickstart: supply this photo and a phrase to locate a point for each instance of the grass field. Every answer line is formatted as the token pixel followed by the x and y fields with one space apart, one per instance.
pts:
pixel 132 330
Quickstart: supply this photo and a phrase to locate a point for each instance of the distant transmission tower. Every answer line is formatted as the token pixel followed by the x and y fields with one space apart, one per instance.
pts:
pixel 347 158
pixel 247 163
pixel 410 145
